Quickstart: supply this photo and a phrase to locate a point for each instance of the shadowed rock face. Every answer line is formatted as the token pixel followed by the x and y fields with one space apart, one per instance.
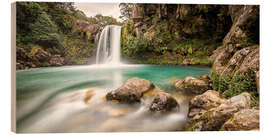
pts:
pixel 37 57
pixel 239 53
pixel 185 19
pixel 85 29
pixel 131 91
pixel 245 25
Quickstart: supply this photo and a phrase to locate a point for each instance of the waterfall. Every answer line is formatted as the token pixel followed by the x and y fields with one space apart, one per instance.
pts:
pixel 108 51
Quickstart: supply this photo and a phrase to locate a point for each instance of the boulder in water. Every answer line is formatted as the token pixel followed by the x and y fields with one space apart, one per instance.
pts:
pixel 193 85
pixel 131 91
pixel 163 102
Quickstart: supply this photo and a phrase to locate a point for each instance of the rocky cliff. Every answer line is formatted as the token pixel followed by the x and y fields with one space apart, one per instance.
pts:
pixel 176 34
pixel 236 66
pixel 179 34
pixel 225 37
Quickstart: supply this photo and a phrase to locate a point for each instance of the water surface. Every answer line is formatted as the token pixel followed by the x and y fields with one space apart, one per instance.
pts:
pixel 51 99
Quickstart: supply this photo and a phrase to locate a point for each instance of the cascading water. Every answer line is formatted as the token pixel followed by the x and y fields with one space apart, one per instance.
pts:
pixel 108 51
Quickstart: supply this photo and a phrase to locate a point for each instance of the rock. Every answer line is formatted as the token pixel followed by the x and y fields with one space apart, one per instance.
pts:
pixel 23 59
pixel 131 91
pixel 222 58
pixel 56 60
pixel 204 77
pixel 193 85
pixel 251 61
pixel 217 52
pixel 86 30
pixel 258 81
pixel 40 54
pixel 188 62
pixel 178 83
pixel 88 95
pixel 209 99
pixel 163 102
pixel 241 101
pixel 229 67
pixel 237 59
pixel 245 24
pixel 36 57
pixel 19 66
pixel 246 119
pixel 201 103
pixel 209 112
pixel 138 24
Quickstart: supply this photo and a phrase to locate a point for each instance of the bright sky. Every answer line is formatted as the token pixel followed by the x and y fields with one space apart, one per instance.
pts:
pixel 106 9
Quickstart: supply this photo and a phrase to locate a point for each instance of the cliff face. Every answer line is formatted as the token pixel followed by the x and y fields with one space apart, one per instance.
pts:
pixel 177 33
pixel 236 66
pixel 225 37
pixel 183 20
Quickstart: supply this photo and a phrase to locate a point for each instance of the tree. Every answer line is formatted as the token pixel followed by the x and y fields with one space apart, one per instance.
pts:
pixel 126 10
pixel 26 13
pixel 102 21
pixel 45 32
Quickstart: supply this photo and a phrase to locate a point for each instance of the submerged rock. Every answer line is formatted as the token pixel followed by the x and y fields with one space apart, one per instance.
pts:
pixel 88 95
pixel 193 85
pixel 163 102
pixel 131 91
pixel 246 119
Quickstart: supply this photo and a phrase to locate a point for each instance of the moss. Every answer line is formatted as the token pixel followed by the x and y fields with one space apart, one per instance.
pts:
pixel 43 64
pixel 204 62
pixel 190 126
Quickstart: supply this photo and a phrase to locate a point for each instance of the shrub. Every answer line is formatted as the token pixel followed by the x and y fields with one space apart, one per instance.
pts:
pixel 232 85
pixel 45 32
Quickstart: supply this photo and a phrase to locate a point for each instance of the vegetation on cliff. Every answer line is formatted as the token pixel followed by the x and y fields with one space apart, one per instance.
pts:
pixel 222 36
pixel 175 34
pixel 49 25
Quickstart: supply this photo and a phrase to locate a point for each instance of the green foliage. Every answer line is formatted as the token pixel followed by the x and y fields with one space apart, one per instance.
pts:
pixel 45 32
pixel 60 13
pixel 48 25
pixel 126 10
pixel 136 46
pixel 232 85
pixel 102 21
pixel 77 51
pixel 160 42
pixel 204 62
pixel 190 50
pixel 26 13
pixel 242 82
